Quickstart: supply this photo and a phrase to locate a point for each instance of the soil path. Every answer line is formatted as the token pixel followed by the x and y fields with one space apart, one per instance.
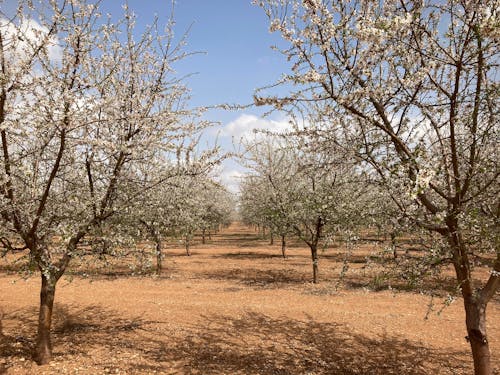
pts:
pixel 235 307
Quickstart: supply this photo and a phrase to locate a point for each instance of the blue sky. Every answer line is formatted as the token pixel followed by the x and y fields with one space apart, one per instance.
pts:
pixel 235 58
pixel 233 34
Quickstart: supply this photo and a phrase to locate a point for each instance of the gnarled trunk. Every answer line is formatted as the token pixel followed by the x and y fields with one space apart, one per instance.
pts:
pixel 43 346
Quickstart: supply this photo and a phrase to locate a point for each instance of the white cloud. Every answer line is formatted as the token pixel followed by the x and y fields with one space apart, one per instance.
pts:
pixel 231 178
pixel 245 126
pixel 20 40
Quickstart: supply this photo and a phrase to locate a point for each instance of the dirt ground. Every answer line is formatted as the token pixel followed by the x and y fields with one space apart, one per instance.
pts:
pixel 236 307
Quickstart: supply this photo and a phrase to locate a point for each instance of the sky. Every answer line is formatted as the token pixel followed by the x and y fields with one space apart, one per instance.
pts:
pixel 235 58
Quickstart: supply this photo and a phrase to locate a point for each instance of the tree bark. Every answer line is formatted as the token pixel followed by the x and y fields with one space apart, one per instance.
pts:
pixel 475 320
pixel 188 251
pixel 159 257
pixel 393 245
pixel 474 303
pixel 283 246
pixel 315 261
pixel 43 347
pixel 203 239
pixel 271 241
pixel 1 327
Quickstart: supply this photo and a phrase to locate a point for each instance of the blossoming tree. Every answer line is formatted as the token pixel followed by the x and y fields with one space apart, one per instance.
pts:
pixel 309 194
pixel 412 88
pixel 82 105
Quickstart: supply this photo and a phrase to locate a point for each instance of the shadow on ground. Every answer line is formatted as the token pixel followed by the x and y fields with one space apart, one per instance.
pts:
pixel 251 344
pixel 261 279
pixel 248 255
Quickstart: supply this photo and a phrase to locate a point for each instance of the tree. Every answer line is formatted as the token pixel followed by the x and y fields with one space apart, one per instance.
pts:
pixel 196 203
pixel 218 206
pixel 412 88
pixel 154 214
pixel 75 126
pixel 289 191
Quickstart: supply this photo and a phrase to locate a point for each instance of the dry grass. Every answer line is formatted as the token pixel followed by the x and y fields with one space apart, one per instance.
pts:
pixel 236 307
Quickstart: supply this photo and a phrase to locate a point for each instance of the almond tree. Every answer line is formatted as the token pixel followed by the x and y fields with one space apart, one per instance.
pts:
pixel 76 126
pixel 185 200
pixel 218 207
pixel 311 194
pixel 195 203
pixel 412 88
pixel 263 200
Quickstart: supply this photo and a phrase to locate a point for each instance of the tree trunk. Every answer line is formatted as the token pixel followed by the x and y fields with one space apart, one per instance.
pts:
pixel 474 304
pixel 188 251
pixel 271 241
pixel 159 257
pixel 283 246
pixel 203 239
pixel 475 320
pixel 393 245
pixel 43 347
pixel 1 328
pixel 315 261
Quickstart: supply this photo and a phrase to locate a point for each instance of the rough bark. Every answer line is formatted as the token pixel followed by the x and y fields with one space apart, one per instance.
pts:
pixel 475 302
pixel 43 346
pixel 475 320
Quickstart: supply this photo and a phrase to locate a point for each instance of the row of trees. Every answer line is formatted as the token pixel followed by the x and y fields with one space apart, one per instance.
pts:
pixel 96 134
pixel 179 208
pixel 409 89
pixel 393 99
pixel 292 191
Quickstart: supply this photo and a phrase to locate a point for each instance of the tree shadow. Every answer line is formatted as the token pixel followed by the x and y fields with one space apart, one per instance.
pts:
pixel 439 286
pixel 259 344
pixel 253 343
pixel 18 344
pixel 257 278
pixel 76 331
pixel 247 255
pixel 239 240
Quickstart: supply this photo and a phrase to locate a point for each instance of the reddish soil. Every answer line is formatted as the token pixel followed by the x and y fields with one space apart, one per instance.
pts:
pixel 236 307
